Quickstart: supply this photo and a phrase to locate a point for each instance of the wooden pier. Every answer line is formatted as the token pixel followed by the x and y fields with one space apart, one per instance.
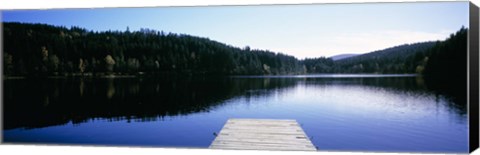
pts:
pixel 262 134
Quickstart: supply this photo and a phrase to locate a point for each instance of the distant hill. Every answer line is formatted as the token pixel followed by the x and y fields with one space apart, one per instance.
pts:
pixel 407 58
pixel 398 59
pixel 342 56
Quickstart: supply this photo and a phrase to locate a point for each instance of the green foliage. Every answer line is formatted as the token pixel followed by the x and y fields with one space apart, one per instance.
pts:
pixel 446 68
pixel 449 57
pixel 399 59
pixel 42 50
pixel 45 50
pixel 319 65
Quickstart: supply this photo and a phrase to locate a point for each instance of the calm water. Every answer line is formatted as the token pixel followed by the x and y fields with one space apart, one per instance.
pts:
pixel 338 112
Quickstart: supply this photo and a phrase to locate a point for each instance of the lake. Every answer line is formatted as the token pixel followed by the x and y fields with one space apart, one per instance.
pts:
pixel 338 112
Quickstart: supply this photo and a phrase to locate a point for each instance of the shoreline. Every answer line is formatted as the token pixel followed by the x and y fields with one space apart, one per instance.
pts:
pixel 322 75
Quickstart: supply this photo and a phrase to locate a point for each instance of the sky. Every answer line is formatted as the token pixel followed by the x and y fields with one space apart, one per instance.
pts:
pixel 299 30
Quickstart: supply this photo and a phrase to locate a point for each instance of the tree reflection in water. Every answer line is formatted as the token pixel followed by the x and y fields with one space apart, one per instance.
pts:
pixel 34 103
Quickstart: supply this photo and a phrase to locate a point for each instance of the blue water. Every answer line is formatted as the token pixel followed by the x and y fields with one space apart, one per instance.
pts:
pixel 342 113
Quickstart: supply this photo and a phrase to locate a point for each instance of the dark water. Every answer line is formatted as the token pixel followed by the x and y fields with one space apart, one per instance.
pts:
pixel 364 113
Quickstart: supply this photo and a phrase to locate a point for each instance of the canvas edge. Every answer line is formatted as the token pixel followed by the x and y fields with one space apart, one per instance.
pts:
pixel 1 82
pixel 473 77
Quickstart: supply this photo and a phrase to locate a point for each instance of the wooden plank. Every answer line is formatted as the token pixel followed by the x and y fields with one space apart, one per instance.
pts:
pixel 262 134
pixel 264 147
pixel 260 120
pixel 277 123
pixel 263 121
pixel 264 127
pixel 247 144
pixel 260 131
pixel 260 141
pixel 261 148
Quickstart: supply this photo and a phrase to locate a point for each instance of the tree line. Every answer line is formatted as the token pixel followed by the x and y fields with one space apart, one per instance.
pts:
pixel 46 50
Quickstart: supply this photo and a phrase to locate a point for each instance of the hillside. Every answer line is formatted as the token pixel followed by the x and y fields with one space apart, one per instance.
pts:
pixel 44 50
pixel 446 69
pixel 399 59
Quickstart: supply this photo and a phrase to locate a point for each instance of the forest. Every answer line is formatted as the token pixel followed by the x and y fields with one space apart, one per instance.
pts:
pixel 39 50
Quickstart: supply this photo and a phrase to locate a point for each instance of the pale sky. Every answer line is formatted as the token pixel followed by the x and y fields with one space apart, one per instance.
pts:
pixel 298 30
